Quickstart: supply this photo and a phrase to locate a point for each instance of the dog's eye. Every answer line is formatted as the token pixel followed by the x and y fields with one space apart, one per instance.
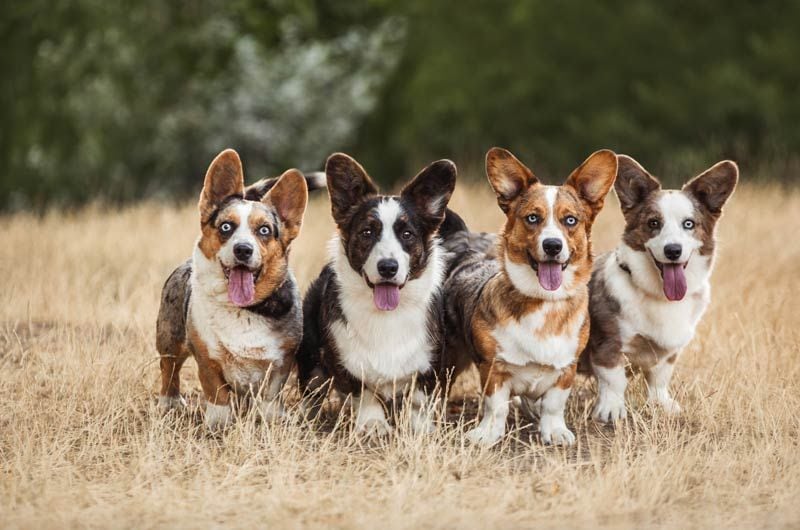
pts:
pixel 366 233
pixel 407 235
pixel 570 220
pixel 226 228
pixel 532 219
pixel 688 224
pixel 654 223
pixel 264 231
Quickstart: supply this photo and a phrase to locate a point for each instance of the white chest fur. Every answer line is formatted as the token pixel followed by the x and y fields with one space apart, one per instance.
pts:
pixel 222 326
pixel 671 325
pixel 521 342
pixel 384 349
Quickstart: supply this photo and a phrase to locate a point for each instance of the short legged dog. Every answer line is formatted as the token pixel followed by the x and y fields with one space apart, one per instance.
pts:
pixel 235 305
pixel 373 318
pixel 520 310
pixel 649 294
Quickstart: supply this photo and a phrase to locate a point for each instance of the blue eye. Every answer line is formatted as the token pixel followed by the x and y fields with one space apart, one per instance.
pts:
pixel 532 219
pixel 264 231
pixel 225 228
pixel 570 220
pixel 688 224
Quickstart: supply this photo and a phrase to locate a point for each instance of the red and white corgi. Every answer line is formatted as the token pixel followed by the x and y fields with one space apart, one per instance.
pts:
pixel 235 305
pixel 648 296
pixel 520 311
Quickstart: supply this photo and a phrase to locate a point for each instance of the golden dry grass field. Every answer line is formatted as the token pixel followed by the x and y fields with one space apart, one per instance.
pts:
pixel 83 445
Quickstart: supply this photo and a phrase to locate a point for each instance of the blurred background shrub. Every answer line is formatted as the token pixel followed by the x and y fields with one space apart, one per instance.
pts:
pixel 125 100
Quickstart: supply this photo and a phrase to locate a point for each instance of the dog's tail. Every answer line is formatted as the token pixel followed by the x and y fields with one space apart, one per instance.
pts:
pixel 315 180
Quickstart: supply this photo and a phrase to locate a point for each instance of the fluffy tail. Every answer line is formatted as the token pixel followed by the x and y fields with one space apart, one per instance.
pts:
pixel 255 192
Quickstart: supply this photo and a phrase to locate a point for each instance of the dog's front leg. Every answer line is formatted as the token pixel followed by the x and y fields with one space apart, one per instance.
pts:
pixel 495 410
pixel 370 416
pixel 217 392
pixel 611 385
pixel 552 427
pixel 270 403
pixel 658 378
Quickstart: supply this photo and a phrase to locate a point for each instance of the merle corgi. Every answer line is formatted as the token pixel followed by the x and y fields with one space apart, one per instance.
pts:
pixel 373 317
pixel 235 305
pixel 648 295
pixel 520 310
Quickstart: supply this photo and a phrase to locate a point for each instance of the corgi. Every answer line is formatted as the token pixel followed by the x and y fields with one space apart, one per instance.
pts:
pixel 520 311
pixel 373 317
pixel 235 305
pixel 649 294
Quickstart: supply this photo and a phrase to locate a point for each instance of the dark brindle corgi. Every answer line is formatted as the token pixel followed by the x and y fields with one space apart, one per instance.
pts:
pixel 520 311
pixel 650 293
pixel 235 305
pixel 372 320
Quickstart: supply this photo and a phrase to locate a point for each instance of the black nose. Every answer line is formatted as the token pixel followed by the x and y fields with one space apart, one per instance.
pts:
pixel 552 246
pixel 673 251
pixel 243 251
pixel 387 268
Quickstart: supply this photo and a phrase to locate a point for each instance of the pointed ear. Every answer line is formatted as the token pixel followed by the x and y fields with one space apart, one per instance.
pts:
pixel 634 184
pixel 224 179
pixel 347 184
pixel 715 185
pixel 289 197
pixel 508 176
pixel 430 191
pixel 593 179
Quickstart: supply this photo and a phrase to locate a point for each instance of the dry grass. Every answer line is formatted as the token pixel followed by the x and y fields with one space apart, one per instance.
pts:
pixel 82 445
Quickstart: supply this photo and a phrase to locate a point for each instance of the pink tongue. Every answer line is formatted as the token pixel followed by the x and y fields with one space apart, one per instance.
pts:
pixel 674 281
pixel 386 296
pixel 550 275
pixel 241 287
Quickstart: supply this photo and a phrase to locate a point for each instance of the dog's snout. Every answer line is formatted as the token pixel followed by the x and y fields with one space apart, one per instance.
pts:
pixel 387 268
pixel 673 251
pixel 243 251
pixel 552 246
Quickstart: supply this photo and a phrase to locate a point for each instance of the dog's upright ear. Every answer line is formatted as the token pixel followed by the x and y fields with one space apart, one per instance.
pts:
pixel 634 184
pixel 224 179
pixel 348 183
pixel 430 191
pixel 593 179
pixel 289 197
pixel 714 186
pixel 508 176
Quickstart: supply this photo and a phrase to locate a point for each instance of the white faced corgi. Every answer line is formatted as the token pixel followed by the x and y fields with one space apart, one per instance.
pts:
pixel 648 295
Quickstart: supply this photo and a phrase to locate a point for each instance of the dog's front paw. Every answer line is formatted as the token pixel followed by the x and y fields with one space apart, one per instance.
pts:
pixel 610 409
pixel 557 436
pixel 421 423
pixel 271 411
pixel 218 417
pixel 167 403
pixel 668 405
pixel 484 436
pixel 374 427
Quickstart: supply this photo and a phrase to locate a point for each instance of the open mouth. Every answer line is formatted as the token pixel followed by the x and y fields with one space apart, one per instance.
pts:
pixel 241 284
pixel 673 278
pixel 548 272
pixel 385 295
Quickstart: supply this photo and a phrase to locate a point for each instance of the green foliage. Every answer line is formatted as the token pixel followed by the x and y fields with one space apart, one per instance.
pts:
pixel 131 99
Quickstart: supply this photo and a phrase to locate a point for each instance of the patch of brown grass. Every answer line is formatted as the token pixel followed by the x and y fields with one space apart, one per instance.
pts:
pixel 82 444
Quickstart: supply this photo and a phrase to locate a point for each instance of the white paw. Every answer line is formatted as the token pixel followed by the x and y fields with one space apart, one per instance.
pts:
pixel 484 436
pixel 167 403
pixel 610 409
pixel 669 405
pixel 374 427
pixel 218 417
pixel 271 410
pixel 556 433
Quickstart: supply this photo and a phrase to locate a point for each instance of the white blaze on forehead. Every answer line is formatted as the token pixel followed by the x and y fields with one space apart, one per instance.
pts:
pixel 552 227
pixel 242 234
pixel 388 246
pixel 675 208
